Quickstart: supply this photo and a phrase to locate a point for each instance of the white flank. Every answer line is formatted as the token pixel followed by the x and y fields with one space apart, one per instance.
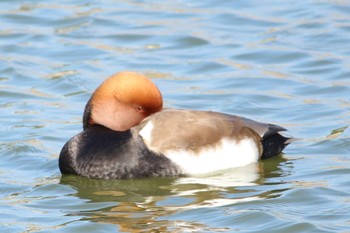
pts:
pixel 226 154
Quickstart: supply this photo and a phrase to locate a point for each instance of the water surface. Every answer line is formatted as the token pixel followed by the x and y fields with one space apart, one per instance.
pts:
pixel 284 62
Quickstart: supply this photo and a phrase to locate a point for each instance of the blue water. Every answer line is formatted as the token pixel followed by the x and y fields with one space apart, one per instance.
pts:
pixel 284 62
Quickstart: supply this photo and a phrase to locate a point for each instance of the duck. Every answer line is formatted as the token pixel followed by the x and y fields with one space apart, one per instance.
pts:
pixel 127 134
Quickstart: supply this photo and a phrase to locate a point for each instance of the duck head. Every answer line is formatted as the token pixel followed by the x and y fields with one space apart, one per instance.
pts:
pixel 122 101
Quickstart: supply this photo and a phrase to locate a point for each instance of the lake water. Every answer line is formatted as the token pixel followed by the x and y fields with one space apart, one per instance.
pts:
pixel 285 62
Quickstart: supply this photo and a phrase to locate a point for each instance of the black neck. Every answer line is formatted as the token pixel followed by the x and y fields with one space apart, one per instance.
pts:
pixel 87 115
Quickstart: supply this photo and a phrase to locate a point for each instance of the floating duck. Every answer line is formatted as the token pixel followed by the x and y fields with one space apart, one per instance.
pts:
pixel 127 134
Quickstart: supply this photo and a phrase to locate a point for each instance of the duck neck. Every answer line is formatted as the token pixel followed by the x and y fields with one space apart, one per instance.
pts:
pixel 87 115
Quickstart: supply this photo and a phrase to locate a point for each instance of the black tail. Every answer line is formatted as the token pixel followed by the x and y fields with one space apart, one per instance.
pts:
pixel 273 145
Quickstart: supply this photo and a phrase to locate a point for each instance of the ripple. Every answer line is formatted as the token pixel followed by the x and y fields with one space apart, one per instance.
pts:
pixel 276 57
pixel 284 63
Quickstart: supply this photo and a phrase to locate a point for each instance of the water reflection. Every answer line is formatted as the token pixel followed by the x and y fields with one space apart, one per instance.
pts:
pixel 148 203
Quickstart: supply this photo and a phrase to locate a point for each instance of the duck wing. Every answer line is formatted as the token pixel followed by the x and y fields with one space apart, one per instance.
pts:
pixel 175 129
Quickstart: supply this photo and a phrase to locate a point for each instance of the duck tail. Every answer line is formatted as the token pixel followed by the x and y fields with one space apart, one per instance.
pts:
pixel 274 144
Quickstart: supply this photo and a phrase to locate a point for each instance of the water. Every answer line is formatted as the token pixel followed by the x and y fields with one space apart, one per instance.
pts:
pixel 284 62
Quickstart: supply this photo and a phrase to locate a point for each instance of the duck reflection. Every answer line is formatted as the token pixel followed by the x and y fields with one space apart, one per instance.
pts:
pixel 142 204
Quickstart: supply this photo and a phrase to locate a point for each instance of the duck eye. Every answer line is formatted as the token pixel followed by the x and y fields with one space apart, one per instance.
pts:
pixel 139 108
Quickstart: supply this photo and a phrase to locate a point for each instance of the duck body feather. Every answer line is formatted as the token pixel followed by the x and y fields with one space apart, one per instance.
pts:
pixel 171 142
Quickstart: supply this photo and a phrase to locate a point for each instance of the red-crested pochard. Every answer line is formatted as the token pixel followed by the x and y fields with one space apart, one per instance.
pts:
pixel 127 134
